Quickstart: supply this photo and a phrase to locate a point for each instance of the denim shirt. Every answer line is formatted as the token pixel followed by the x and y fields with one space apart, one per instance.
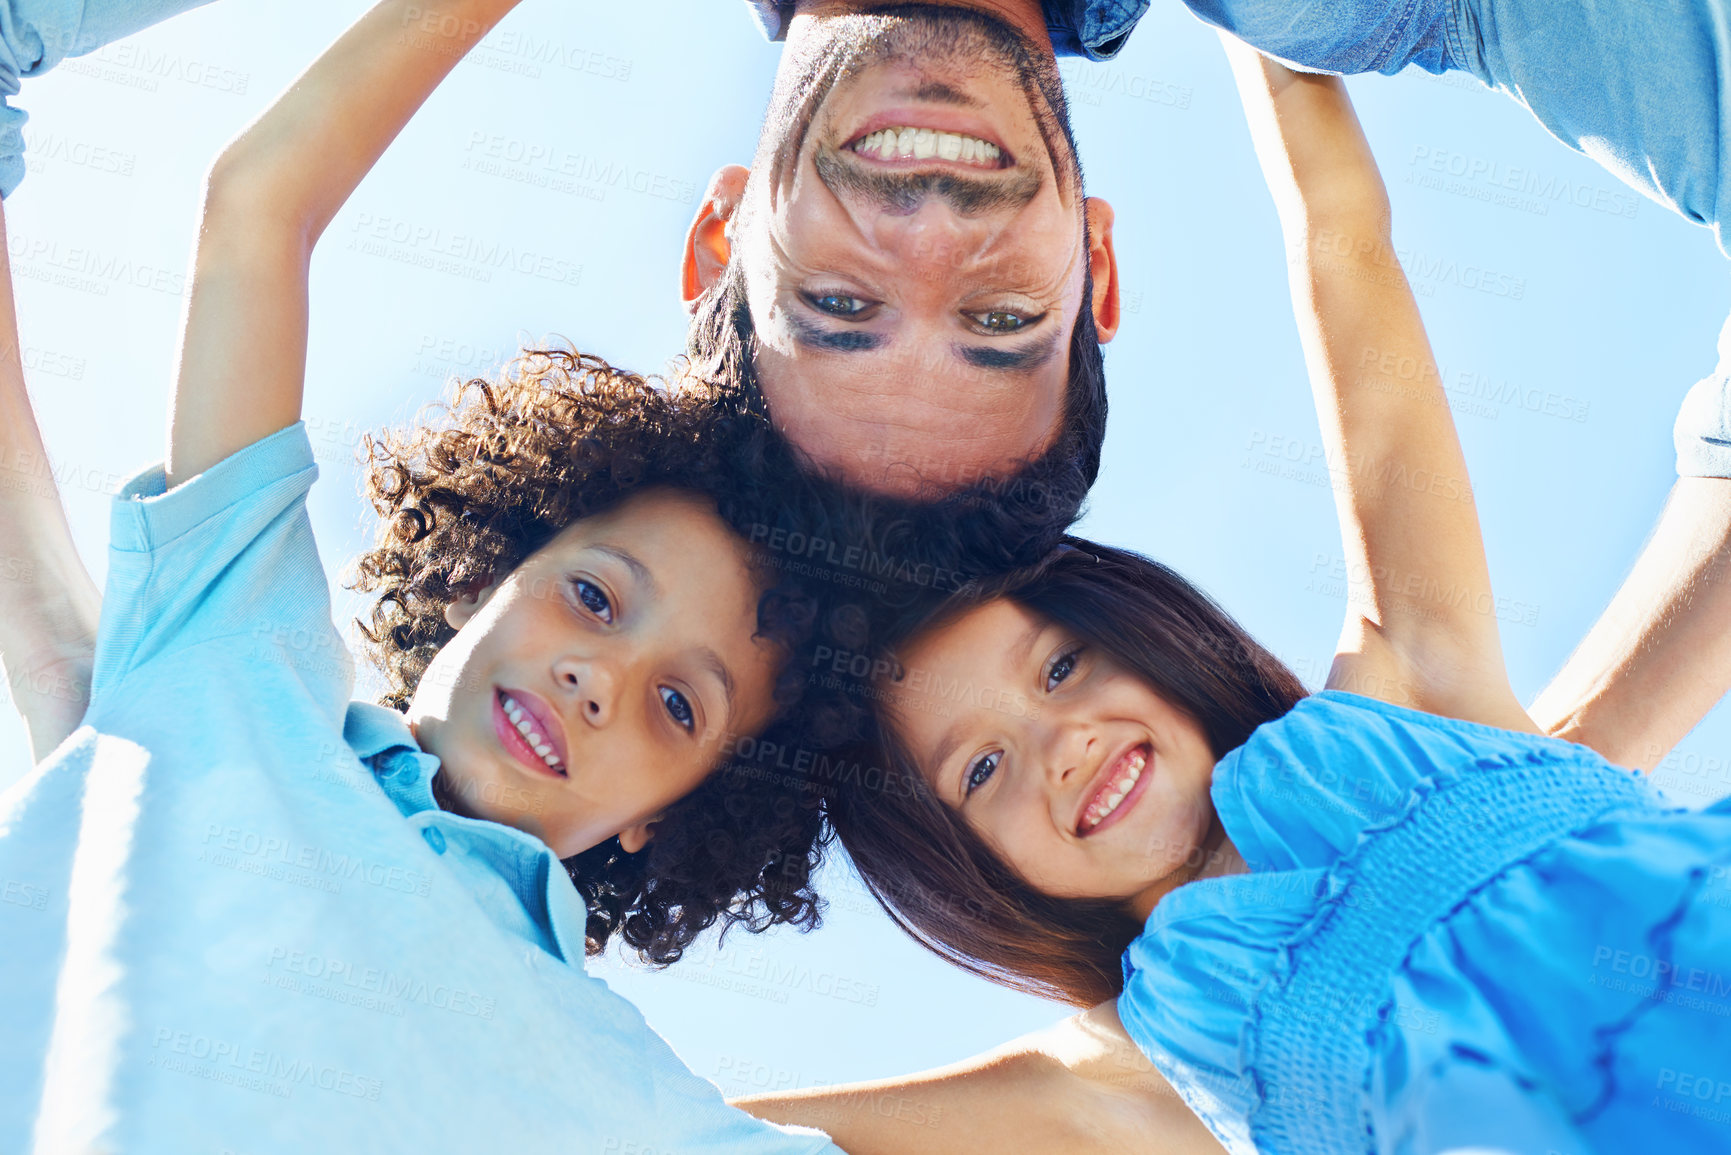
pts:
pixel 1096 29
pixel 1641 86
pixel 235 919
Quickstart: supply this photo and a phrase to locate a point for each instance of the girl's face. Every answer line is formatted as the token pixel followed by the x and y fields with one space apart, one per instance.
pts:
pixel 602 679
pixel 1086 782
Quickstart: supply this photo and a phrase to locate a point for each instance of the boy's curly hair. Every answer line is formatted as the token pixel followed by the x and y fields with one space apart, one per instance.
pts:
pixel 494 474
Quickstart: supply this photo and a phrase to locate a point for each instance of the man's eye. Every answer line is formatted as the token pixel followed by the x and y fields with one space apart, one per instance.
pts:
pixel 1002 321
pixel 593 598
pixel 1062 668
pixel 839 304
pixel 678 708
pixel 979 770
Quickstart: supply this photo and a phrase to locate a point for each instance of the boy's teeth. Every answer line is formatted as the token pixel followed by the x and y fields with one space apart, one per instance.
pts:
pixel 925 143
pixel 520 719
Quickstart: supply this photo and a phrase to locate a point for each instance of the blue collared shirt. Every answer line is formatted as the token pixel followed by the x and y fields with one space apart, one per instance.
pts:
pixel 235 919
pixel 1096 29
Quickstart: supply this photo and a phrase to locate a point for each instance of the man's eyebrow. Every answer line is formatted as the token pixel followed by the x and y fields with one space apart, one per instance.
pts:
pixel 814 336
pixel 629 561
pixel 713 663
pixel 1018 360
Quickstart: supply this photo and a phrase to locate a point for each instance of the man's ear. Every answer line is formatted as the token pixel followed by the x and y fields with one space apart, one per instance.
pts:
pixel 635 838
pixel 1103 267
pixel 467 604
pixel 707 244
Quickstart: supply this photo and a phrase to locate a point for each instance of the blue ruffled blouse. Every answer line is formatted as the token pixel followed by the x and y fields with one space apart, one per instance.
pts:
pixel 1452 936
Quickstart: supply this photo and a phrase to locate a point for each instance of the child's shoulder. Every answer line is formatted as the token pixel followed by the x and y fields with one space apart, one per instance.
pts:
pixel 226 554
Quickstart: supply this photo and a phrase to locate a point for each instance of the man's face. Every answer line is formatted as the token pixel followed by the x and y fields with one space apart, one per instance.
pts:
pixel 913 244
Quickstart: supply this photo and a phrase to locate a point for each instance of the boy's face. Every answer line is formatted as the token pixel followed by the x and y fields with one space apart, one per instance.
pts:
pixel 597 683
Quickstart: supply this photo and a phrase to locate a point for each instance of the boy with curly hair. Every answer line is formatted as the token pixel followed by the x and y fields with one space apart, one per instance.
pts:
pixel 260 915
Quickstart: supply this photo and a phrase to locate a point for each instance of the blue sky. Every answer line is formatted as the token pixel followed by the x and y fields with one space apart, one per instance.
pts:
pixel 544 191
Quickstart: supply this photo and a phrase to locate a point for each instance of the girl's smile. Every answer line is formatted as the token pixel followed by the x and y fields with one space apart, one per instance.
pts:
pixel 1123 785
pixel 1098 788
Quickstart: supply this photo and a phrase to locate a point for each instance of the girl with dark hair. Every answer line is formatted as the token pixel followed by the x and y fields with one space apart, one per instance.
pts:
pixel 1389 917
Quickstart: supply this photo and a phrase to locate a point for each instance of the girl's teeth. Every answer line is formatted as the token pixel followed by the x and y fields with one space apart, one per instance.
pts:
pixel 1103 807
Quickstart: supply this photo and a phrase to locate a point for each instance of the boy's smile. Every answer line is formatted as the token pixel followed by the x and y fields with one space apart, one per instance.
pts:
pixel 531 731
pixel 597 684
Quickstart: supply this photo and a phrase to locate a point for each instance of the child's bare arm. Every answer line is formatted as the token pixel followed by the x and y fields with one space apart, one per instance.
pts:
pixel 1079 1086
pixel 48 604
pixel 1420 628
pixel 267 199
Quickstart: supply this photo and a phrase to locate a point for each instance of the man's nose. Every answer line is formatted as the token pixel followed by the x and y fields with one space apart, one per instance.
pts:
pixel 591 686
pixel 933 236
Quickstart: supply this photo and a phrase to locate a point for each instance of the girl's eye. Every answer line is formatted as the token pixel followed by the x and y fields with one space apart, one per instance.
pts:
pixel 1002 321
pixel 839 304
pixel 593 598
pixel 979 770
pixel 678 708
pixel 1061 669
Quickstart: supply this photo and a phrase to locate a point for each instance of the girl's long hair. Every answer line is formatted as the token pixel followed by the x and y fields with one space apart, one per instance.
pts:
pixel 941 882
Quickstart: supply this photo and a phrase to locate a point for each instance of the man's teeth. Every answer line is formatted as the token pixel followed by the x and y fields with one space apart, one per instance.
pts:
pixel 923 143
pixel 525 724
pixel 1114 792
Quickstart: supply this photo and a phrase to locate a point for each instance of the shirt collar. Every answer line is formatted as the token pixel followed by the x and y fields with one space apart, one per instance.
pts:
pixel 381 738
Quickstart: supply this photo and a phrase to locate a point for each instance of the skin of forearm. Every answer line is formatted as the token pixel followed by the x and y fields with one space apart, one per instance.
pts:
pixel 1081 1085
pixel 304 156
pixel 1660 656
pixel 48 603
pixel 269 197
pixel 1417 573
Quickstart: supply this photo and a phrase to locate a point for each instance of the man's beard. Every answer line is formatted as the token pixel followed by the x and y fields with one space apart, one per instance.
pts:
pixel 930 38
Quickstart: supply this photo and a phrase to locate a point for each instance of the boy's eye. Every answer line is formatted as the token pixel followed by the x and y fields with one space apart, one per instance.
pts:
pixel 838 304
pixel 1062 668
pixel 979 770
pixel 593 598
pixel 678 708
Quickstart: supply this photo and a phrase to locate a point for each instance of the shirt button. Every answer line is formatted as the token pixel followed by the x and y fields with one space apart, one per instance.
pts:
pixel 435 838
